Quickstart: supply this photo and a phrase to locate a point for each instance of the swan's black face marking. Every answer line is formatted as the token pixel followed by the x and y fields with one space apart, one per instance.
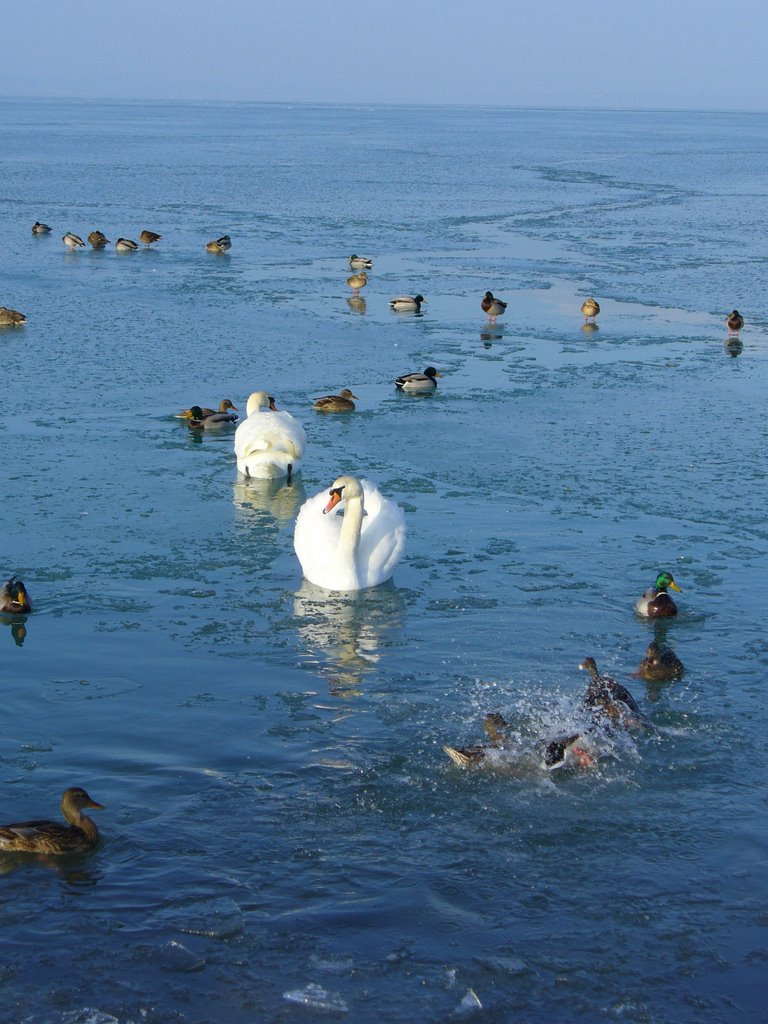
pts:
pixel 335 498
pixel 272 403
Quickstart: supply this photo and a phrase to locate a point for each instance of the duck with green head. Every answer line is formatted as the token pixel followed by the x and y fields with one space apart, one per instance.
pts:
pixel 198 420
pixel 655 602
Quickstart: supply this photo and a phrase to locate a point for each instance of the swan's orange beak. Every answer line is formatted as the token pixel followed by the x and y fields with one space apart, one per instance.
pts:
pixel 335 499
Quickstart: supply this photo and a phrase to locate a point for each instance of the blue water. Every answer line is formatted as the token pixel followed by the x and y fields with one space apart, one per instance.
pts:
pixel 283 837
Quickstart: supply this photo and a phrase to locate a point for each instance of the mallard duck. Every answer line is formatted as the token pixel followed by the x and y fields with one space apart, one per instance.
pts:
pixel 41 836
pixel 735 321
pixel 224 406
pixel 336 403
pixel 269 443
pixel 655 602
pixel 126 245
pixel 98 239
pixel 353 551
pixel 14 597
pixel 198 420
pixel 11 317
pixel 148 237
pixel 590 308
pixel 358 281
pixel 607 699
pixel 360 263
pixel 222 244
pixel 659 664
pixel 406 303
pixel 39 228
pixel 497 730
pixel 418 381
pixel 72 240
pixel 570 750
pixel 492 306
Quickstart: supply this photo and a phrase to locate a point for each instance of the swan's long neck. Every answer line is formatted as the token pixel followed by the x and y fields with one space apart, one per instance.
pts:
pixel 351 527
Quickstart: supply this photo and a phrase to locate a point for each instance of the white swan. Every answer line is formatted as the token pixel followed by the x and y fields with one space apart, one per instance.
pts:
pixel 268 443
pixel 358 550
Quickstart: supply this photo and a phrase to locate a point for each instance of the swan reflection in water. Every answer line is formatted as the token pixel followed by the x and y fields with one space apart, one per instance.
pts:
pixel 257 498
pixel 347 632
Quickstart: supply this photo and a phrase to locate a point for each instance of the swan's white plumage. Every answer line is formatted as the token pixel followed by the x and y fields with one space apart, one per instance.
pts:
pixel 267 443
pixel 325 559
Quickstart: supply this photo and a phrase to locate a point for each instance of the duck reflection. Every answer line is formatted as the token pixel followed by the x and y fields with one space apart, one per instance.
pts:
pixel 491 333
pixel 356 303
pixel 18 626
pixel 347 631
pixel 274 498
pixel 733 346
pixel 589 327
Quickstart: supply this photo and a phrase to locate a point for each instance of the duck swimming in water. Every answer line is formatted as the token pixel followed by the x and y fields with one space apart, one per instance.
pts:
pixel 426 381
pixel 126 245
pixel 223 244
pixel 11 317
pixel 98 239
pixel 198 420
pixel 38 228
pixel 655 602
pixel 660 664
pixel 336 403
pixel 14 597
pixel 224 407
pixel 359 262
pixel 50 837
pixel 407 303
pixel 148 237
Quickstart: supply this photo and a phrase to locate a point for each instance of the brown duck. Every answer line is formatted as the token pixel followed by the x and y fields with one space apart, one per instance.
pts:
pixel 51 837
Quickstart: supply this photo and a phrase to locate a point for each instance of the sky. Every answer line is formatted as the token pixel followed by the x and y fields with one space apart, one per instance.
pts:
pixel 678 54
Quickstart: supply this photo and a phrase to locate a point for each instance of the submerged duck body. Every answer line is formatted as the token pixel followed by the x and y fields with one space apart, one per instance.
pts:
pixel 426 381
pixel 98 239
pixel 351 552
pixel 51 837
pixel 343 402
pixel 14 597
pixel 590 308
pixel 11 317
pixel 407 303
pixel 660 664
pixel 38 228
pixel 223 244
pixel 655 602
pixel 269 443
pixel 492 306
pixel 73 241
